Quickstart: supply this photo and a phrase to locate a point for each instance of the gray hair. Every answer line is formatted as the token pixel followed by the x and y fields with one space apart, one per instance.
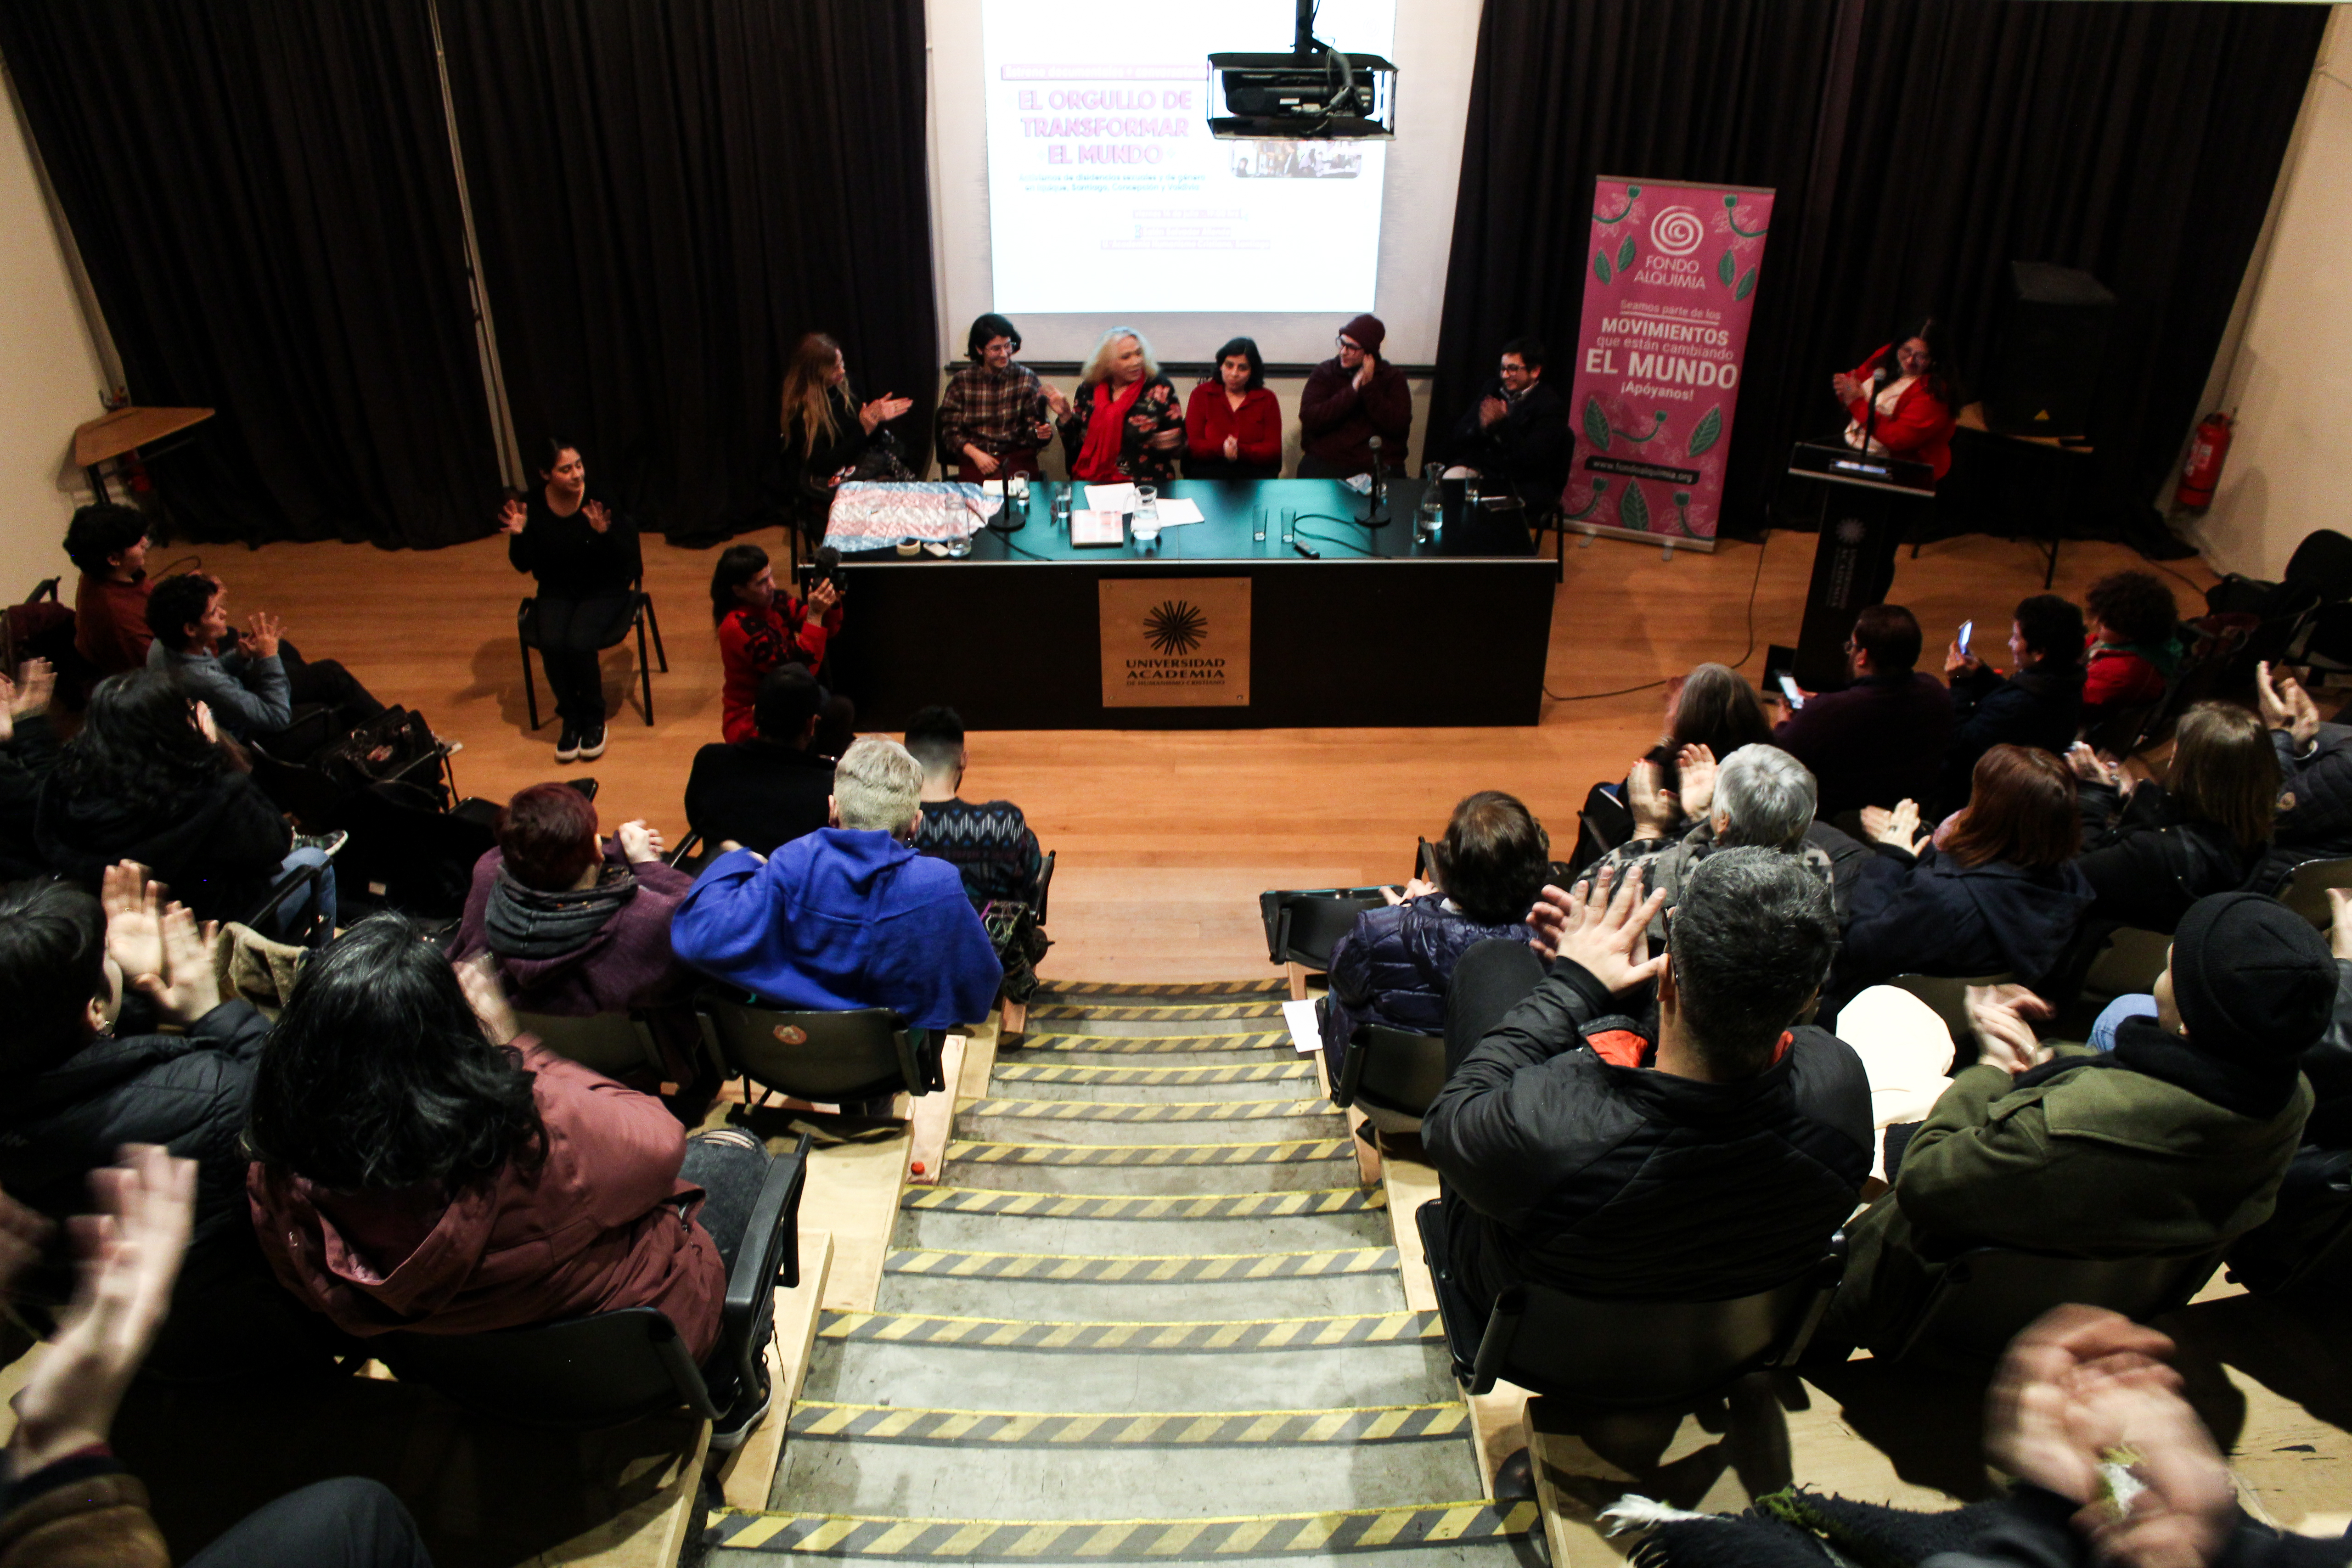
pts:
pixel 1752 939
pixel 877 785
pixel 1766 796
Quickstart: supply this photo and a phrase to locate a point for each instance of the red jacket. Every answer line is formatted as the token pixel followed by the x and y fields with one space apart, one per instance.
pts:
pixel 1920 428
pixel 1208 418
pixel 110 622
pixel 2118 675
pixel 603 1223
pixel 754 642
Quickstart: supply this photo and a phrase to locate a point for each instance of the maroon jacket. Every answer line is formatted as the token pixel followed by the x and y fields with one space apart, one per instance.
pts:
pixel 1337 422
pixel 602 1223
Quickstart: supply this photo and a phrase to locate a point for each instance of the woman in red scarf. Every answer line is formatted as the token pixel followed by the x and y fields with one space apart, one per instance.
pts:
pixel 1125 422
pixel 1917 407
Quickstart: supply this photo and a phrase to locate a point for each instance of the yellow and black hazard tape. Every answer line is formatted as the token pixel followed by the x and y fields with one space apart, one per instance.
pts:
pixel 1131 1338
pixel 1213 1268
pixel 1149 1110
pixel 1294 1153
pixel 827 1422
pixel 1089 1540
pixel 1052 989
pixel 1153 1044
pixel 1139 1206
pixel 1150 1044
pixel 1180 1012
pixel 1149 1077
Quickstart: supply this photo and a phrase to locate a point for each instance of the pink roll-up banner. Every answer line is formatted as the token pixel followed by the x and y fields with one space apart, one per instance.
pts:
pixel 1670 283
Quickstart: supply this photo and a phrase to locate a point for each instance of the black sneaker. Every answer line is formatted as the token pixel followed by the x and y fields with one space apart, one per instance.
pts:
pixel 592 740
pixel 750 1409
pixel 567 748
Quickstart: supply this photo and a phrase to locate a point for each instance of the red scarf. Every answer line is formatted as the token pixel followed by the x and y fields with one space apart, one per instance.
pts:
pixel 1105 430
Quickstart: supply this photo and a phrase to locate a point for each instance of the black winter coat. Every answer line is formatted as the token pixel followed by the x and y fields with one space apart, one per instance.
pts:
pixel 1627 1182
pixel 759 794
pixel 190 1092
pixel 1879 741
pixel 217 849
pixel 2146 863
pixel 1526 449
pixel 25 761
pixel 2317 826
pixel 1930 915
pixel 2041 707
pixel 1392 968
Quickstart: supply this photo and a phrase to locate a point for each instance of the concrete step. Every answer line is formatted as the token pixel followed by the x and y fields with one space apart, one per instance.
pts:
pixel 990 1228
pixel 1470 1534
pixel 1168 1169
pixel 1055 1016
pixel 1244 1286
pixel 958 1463
pixel 1239 1081
pixel 1212 1057
pixel 923 1370
pixel 999 1119
pixel 1257 989
pixel 1055 1047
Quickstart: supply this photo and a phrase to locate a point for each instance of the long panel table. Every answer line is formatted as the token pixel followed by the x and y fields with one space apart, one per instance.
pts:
pixel 1380 631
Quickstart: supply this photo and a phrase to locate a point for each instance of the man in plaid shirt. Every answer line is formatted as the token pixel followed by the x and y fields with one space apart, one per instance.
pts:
pixel 993 416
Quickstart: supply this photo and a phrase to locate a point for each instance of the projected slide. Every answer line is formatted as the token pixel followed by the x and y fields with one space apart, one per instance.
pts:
pixel 1107 194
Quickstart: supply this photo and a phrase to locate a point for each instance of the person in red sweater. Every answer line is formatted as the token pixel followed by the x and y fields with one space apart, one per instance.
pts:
pixel 109 543
pixel 1918 409
pixel 762 628
pixel 1232 425
pixel 2133 645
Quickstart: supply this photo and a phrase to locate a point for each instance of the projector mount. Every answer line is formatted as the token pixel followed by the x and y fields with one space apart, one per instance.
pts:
pixel 1313 93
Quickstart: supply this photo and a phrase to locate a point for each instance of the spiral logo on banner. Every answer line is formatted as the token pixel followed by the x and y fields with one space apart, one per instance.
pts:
pixel 1677 231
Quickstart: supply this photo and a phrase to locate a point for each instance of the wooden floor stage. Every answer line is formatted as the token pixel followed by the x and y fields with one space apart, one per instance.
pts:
pixel 1165 838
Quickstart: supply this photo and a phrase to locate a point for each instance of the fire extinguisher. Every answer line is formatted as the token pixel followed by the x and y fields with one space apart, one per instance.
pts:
pixel 2206 455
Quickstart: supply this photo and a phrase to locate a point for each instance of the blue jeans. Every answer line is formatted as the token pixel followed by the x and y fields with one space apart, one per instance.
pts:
pixel 2103 1033
pixel 296 906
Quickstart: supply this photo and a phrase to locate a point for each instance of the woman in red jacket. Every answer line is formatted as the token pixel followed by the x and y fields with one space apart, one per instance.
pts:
pixel 1232 425
pixel 760 626
pixel 419 1167
pixel 1918 409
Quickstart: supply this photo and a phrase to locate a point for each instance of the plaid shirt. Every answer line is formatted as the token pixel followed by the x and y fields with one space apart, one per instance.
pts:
pixel 996 410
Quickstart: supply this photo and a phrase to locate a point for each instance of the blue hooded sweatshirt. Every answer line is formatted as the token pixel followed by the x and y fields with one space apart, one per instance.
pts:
pixel 841 919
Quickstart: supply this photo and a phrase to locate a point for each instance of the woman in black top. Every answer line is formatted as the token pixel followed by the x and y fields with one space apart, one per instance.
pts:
pixel 2150 852
pixel 828 436
pixel 584 551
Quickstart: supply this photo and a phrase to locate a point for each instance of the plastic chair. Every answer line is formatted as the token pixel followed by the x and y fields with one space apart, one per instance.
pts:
pixel 641 616
pixel 1391 1075
pixel 2304 891
pixel 1625 1352
pixel 610 1043
pixel 599 1371
pixel 1045 883
pixel 1987 1295
pixel 829 1058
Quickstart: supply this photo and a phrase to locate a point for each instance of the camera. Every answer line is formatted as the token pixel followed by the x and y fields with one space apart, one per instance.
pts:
pixel 823 566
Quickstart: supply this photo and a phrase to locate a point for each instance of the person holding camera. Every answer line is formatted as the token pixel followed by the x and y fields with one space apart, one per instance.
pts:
pixel 762 627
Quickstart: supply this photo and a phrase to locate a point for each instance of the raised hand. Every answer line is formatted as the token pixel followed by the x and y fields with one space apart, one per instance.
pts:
pixel 1056 400
pixel 882 410
pixel 479 980
pixel 135 920
pixel 1605 931
pixel 1848 390
pixel 1695 763
pixel 1655 808
pixel 36 680
pixel 1900 827
pixel 186 987
pixel 262 631
pixel 598 517
pixel 1998 1017
pixel 2286 705
pixel 822 597
pixel 1957 662
pixel 512 515
pixel 1491 411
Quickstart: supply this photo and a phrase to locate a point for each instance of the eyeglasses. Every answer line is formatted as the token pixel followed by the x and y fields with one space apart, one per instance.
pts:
pixel 1346 342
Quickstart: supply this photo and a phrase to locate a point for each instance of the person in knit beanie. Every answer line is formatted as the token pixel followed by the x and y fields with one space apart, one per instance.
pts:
pixel 1350 398
pixel 2173 1144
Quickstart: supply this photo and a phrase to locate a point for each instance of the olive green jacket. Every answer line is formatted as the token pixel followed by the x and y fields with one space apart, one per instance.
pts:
pixel 2099 1162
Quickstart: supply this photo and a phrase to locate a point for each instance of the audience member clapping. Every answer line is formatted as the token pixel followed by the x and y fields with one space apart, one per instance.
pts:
pixel 254 681
pixel 2152 849
pixel 2174 1140
pixel 848 916
pixel 29 750
pixel 1395 964
pixel 574 924
pixel 773 787
pixel 1884 737
pixel 419 1165
pixel 2313 819
pixel 2040 703
pixel 1703 1151
pixel 1998 893
pixel 148 779
pixel 85 1068
pixel 2135 644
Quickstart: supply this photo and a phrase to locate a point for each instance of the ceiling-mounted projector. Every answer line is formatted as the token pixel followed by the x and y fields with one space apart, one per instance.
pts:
pixel 1314 93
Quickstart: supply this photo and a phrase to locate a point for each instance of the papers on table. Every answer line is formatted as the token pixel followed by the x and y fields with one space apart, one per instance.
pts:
pixel 1176 513
pixel 1305 1034
pixel 1110 497
pixel 1098 528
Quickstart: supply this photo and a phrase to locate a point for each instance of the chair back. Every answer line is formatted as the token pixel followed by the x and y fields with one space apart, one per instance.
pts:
pixel 584 1373
pixel 302 791
pixel 2305 888
pixel 422 858
pixel 691 856
pixel 2128 965
pixel 1604 822
pixel 302 881
pixel 1626 1352
pixel 2322 563
pixel 1044 883
pixel 1302 924
pixel 829 1057
pixel 1392 1075
pixel 1986 1296
pixel 611 1043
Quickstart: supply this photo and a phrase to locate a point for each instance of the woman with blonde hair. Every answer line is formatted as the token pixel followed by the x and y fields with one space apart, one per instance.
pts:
pixel 2152 849
pixel 1126 422
pixel 827 436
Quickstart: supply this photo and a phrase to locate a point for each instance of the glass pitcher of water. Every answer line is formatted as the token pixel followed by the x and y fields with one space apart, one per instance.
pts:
pixel 1147 514
pixel 1429 518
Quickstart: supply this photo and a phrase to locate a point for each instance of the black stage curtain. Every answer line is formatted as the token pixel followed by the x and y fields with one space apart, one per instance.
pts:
pixel 666 194
pixel 263 194
pixel 1918 146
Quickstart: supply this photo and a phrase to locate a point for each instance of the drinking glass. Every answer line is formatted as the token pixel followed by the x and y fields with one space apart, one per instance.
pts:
pixel 1147 514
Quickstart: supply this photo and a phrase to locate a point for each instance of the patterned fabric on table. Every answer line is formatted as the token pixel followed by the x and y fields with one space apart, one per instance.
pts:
pixel 877 516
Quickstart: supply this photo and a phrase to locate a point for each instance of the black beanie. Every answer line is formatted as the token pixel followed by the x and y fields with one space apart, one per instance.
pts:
pixel 1365 332
pixel 2251 978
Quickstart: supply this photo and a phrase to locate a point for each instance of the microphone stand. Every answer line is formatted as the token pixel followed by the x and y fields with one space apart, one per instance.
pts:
pixel 1372 518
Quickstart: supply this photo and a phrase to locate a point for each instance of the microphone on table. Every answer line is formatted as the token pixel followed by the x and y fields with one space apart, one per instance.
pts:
pixel 1372 511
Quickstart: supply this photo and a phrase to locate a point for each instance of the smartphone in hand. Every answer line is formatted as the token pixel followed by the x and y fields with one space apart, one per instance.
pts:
pixel 1788 689
pixel 1968 630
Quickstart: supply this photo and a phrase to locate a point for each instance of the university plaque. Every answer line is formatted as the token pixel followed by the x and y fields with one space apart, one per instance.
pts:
pixel 1176 642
